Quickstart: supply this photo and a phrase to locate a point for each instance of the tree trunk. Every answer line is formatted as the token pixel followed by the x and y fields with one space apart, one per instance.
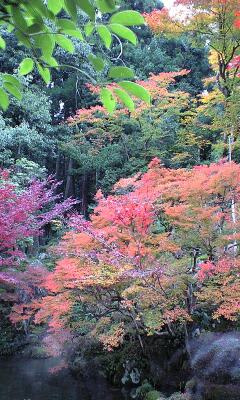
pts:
pixel 84 194
pixel 233 205
pixel 69 183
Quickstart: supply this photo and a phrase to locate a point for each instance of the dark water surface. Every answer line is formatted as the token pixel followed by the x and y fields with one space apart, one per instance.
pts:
pixel 23 379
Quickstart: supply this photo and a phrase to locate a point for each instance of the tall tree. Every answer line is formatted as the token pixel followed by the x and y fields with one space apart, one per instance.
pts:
pixel 210 22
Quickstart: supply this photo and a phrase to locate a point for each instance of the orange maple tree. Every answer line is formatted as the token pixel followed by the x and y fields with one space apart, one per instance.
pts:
pixel 156 84
pixel 214 22
pixel 164 243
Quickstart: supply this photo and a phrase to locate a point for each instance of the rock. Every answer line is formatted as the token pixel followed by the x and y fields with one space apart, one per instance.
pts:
pixel 131 373
pixel 196 333
pixel 179 396
pixel 42 256
pixel 36 263
pixel 216 358
pixel 134 393
pixel 222 392
pixel 135 376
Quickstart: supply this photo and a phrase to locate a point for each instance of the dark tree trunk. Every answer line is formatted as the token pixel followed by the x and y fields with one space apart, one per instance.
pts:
pixel 84 194
pixel 69 183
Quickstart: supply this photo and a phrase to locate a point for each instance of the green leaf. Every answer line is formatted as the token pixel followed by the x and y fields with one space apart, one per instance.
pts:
pixel 65 23
pixel 30 20
pixel 55 6
pixel 74 33
pixel 105 35
pixel 33 11
pixel 23 39
pixel 44 72
pixel 35 28
pixel 120 72
pixel 111 3
pixel 136 90
pixel 13 90
pixel 10 28
pixel 71 8
pixel 2 43
pixel 51 61
pixel 18 19
pixel 106 6
pixel 125 98
pixel 97 62
pixel 107 99
pixel 65 43
pixel 88 28
pixel 127 18
pixel 11 79
pixel 26 66
pixel 124 32
pixel 4 99
pixel 45 42
pixel 87 7
pixel 39 9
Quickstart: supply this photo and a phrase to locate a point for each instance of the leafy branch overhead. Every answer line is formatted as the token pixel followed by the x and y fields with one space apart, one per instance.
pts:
pixel 43 26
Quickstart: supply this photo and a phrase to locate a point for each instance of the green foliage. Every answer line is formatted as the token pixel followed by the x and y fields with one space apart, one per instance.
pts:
pixel 127 18
pixel 107 99
pixel 123 32
pixel 143 390
pixel 4 100
pixel 26 171
pixel 120 72
pixel 125 98
pixel 97 62
pixel 141 5
pixel 136 90
pixel 40 28
pixel 154 395
pixel 2 43
pixel 26 131
pixel 26 66
pixel 158 54
pixel 105 35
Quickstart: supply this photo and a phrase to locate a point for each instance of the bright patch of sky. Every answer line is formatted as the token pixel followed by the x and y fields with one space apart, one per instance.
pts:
pixel 168 3
pixel 178 12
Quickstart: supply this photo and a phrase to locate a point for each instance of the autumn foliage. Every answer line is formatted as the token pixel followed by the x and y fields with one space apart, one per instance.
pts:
pixel 157 85
pixel 160 247
pixel 214 22
pixel 163 247
pixel 23 216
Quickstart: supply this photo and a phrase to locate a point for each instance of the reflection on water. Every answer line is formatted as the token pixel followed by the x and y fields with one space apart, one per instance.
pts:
pixel 22 379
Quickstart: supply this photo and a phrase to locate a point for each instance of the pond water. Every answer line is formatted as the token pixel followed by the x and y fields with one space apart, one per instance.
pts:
pixel 23 379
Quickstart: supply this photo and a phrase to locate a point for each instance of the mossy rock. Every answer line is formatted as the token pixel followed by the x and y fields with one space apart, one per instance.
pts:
pixel 142 390
pixel 114 363
pixel 154 395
